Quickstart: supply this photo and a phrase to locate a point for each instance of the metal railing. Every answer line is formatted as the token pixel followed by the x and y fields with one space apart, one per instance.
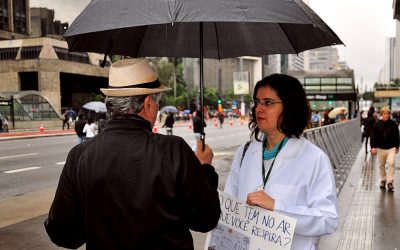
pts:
pixel 341 142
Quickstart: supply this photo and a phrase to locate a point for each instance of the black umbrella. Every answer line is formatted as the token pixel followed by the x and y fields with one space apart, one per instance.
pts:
pixel 198 28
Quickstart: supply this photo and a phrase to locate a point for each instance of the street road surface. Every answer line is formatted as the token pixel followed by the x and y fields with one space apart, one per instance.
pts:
pixel 29 165
pixel 30 169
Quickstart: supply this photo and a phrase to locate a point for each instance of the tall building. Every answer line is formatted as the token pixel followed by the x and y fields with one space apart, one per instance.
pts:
pixel 397 51
pixel 43 23
pixel 325 58
pixel 14 19
pixel 296 62
pixel 388 67
pixel 64 10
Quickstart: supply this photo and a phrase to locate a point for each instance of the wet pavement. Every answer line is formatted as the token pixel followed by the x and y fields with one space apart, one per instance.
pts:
pixel 369 216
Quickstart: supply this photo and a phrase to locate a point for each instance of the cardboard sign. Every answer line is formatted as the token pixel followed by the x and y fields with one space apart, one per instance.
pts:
pixel 245 227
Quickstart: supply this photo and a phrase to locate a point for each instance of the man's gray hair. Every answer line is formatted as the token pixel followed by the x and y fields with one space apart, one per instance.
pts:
pixel 121 105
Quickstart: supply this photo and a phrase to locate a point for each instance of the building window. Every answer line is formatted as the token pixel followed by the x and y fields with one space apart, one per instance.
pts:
pixel 4 15
pixel 345 80
pixel 20 22
pixel 328 81
pixel 28 81
pixel 32 52
pixel 313 81
pixel 64 54
pixel 33 107
pixel 8 53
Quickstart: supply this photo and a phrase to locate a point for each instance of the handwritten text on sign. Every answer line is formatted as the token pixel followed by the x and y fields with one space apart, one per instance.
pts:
pixel 243 227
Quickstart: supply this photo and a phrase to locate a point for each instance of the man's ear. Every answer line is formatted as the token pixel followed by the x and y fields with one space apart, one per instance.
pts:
pixel 147 104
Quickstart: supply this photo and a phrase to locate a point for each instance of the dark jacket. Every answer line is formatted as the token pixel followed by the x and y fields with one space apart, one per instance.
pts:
pixel 368 123
pixel 79 125
pixel 129 188
pixel 385 135
pixel 169 121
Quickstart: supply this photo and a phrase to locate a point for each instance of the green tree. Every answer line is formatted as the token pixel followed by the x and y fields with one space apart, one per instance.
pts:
pixel 170 73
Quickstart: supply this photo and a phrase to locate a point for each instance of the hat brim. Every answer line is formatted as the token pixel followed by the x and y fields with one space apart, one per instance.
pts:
pixel 134 91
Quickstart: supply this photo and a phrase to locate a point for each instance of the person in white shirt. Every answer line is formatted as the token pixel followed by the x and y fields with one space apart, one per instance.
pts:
pixel 91 129
pixel 282 171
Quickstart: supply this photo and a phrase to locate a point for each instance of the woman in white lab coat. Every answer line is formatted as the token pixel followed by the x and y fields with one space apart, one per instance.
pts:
pixel 282 171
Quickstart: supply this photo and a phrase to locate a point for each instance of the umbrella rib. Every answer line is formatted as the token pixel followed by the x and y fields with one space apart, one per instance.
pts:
pixel 216 37
pixel 290 40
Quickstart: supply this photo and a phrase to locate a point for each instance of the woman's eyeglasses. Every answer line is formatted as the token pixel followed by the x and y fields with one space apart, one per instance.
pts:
pixel 265 102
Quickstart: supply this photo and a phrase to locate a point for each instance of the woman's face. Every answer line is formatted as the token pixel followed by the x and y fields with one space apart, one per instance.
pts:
pixel 268 110
pixel 385 116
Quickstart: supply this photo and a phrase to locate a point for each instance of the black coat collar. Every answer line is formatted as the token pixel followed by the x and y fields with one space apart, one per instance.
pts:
pixel 127 122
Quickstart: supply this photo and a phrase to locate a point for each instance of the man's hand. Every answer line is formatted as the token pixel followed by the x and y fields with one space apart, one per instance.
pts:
pixel 373 151
pixel 206 156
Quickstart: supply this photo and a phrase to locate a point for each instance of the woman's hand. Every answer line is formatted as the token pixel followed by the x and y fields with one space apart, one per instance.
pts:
pixel 261 199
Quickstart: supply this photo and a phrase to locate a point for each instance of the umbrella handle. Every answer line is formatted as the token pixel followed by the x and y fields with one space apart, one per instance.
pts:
pixel 203 140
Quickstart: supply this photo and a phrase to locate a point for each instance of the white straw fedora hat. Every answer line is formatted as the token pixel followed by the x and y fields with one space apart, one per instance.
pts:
pixel 130 77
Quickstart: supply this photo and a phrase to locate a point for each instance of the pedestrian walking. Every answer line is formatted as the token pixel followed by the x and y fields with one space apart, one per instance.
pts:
pixel 169 123
pixel 327 120
pixel 369 123
pixel 91 129
pixel 221 119
pixel 1 124
pixel 5 124
pixel 197 128
pixel 316 119
pixel 385 143
pixel 102 122
pixel 280 170
pixel 65 120
pixel 130 188
pixel 79 125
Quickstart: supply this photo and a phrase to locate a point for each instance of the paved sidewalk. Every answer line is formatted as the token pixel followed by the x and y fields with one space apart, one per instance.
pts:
pixel 14 134
pixel 369 216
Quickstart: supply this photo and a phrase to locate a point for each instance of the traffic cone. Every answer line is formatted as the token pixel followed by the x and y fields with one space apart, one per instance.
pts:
pixel 41 129
pixel 230 122
pixel 190 124
pixel 215 123
pixel 155 130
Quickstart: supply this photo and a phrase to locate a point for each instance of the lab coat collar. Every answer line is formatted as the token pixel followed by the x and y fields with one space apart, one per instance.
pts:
pixel 290 150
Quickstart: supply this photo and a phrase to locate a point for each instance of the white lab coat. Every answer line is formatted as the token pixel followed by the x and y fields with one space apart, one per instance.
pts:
pixel 301 182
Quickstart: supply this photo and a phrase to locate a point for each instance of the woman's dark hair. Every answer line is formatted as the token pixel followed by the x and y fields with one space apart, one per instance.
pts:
pixel 296 109
pixel 90 120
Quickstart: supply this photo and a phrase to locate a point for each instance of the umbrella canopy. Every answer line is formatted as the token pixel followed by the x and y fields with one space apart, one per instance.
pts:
pixel 334 112
pixel 98 107
pixel 169 109
pixel 204 29
pixel 140 28
pixel 71 113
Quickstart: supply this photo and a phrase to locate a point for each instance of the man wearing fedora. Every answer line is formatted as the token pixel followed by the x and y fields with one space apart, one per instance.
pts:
pixel 129 188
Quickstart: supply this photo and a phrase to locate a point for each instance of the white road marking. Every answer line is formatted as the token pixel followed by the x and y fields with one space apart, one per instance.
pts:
pixel 20 170
pixel 15 156
pixel 60 163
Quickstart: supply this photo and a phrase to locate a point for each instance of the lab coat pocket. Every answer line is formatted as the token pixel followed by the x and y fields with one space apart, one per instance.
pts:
pixel 287 193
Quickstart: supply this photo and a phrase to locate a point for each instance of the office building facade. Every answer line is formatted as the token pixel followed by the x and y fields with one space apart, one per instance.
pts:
pixel 14 19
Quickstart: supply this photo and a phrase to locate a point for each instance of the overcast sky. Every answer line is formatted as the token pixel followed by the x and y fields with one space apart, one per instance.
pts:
pixel 363 26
